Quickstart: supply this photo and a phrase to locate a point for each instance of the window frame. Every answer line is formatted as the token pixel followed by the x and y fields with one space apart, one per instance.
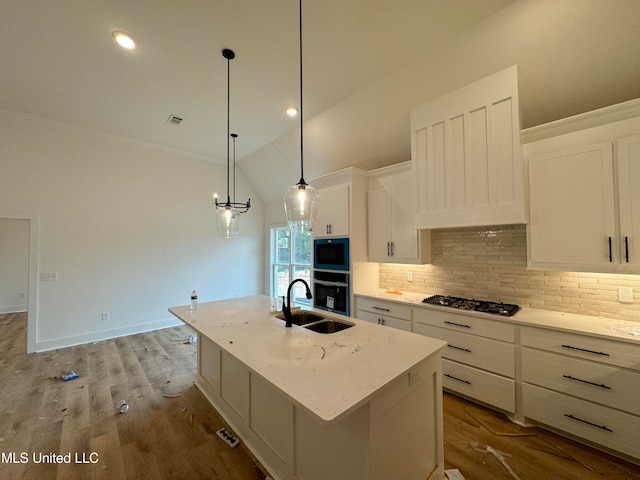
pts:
pixel 292 267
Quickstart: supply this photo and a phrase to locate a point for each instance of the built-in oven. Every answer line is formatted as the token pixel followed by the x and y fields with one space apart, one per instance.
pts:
pixel 331 291
pixel 331 254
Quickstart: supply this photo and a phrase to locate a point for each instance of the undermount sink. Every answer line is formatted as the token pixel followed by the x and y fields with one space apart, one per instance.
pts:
pixel 302 317
pixel 328 326
pixel 316 322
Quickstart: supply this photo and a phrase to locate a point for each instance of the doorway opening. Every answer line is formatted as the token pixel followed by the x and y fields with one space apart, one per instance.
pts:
pixel 19 270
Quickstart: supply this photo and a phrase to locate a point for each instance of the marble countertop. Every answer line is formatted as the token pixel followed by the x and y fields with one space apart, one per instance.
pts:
pixel 623 330
pixel 330 375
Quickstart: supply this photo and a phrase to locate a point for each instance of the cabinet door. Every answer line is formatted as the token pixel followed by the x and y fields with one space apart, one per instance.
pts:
pixel 572 208
pixel 403 237
pixel 379 226
pixel 333 212
pixel 629 197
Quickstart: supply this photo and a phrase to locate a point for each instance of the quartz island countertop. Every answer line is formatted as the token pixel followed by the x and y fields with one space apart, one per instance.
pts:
pixel 329 375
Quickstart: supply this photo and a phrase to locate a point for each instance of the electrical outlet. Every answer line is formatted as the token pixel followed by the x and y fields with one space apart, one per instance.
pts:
pixel 105 315
pixel 414 376
pixel 625 294
pixel 409 276
pixel 48 277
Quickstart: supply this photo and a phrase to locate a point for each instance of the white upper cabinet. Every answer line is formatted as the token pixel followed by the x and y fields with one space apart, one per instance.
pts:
pixel 584 204
pixel 467 157
pixel 333 212
pixel 391 236
pixel 629 198
pixel 572 211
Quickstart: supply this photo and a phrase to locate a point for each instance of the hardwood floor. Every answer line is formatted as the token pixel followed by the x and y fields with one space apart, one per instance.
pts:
pixel 161 437
pixel 165 436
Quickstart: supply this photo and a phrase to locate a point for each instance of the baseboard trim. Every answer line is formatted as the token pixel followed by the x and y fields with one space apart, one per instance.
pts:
pixel 14 309
pixel 42 346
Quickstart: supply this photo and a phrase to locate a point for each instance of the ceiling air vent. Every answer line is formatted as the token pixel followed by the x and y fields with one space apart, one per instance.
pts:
pixel 174 120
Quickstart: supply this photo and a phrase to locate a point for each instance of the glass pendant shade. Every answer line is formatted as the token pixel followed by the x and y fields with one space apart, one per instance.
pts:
pixel 301 200
pixel 228 222
pixel 301 205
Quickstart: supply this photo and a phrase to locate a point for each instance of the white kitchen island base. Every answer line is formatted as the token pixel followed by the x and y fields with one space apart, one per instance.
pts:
pixel 392 430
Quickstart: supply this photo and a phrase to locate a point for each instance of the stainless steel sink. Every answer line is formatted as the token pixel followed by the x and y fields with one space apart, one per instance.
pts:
pixel 328 326
pixel 302 317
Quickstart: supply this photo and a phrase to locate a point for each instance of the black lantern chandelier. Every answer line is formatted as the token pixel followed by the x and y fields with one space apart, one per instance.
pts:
pixel 228 213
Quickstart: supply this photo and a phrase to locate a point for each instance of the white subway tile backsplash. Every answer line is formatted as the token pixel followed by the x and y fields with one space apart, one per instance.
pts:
pixel 490 263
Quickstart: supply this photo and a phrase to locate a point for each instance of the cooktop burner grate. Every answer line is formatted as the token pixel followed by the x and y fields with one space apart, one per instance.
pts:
pixel 496 308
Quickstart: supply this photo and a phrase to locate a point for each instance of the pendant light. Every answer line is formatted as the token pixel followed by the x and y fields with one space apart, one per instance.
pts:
pixel 301 200
pixel 228 214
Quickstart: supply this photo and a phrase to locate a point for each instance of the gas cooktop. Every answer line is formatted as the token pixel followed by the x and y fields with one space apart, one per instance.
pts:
pixel 496 308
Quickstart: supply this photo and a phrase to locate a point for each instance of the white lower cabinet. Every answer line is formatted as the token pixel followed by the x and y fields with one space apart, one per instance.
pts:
pixel 583 385
pixel 390 314
pixel 596 423
pixel 479 361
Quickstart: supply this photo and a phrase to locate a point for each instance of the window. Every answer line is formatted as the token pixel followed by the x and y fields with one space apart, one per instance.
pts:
pixel 290 259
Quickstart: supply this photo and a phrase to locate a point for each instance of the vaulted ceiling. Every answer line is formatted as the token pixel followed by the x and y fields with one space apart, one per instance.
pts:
pixel 367 62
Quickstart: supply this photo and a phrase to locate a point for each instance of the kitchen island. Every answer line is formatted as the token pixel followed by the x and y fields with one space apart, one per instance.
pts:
pixel 360 403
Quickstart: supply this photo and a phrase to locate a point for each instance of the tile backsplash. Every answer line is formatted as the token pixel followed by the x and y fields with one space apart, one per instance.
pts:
pixel 490 263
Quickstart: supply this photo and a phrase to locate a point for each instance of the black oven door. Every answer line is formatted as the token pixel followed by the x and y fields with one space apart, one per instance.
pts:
pixel 331 294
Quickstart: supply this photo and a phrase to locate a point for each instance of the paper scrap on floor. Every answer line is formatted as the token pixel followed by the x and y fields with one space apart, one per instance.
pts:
pixel 454 474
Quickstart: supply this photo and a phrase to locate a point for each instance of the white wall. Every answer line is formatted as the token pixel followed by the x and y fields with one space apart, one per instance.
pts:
pixel 14 265
pixel 128 229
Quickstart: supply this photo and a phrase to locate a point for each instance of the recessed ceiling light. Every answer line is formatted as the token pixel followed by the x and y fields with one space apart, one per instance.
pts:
pixel 124 40
pixel 292 111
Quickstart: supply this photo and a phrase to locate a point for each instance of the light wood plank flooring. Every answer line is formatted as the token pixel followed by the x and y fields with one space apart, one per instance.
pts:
pixel 173 437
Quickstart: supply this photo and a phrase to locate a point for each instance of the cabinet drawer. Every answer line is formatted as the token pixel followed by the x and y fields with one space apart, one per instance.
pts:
pixel 465 323
pixel 479 352
pixel 477 384
pixel 605 426
pixel 385 308
pixel 385 320
pixel 583 346
pixel 603 384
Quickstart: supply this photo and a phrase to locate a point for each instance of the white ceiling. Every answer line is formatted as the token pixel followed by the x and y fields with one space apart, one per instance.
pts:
pixel 367 62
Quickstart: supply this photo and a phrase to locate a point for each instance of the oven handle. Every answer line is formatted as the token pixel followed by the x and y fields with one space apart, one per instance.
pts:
pixel 331 284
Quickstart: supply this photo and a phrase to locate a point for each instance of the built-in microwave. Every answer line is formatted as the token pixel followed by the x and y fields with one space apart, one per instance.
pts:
pixel 331 254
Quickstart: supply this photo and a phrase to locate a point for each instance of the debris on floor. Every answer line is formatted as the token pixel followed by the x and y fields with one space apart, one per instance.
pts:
pixel 168 395
pixel 454 474
pixel 499 456
pixel 123 406
pixel 70 375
